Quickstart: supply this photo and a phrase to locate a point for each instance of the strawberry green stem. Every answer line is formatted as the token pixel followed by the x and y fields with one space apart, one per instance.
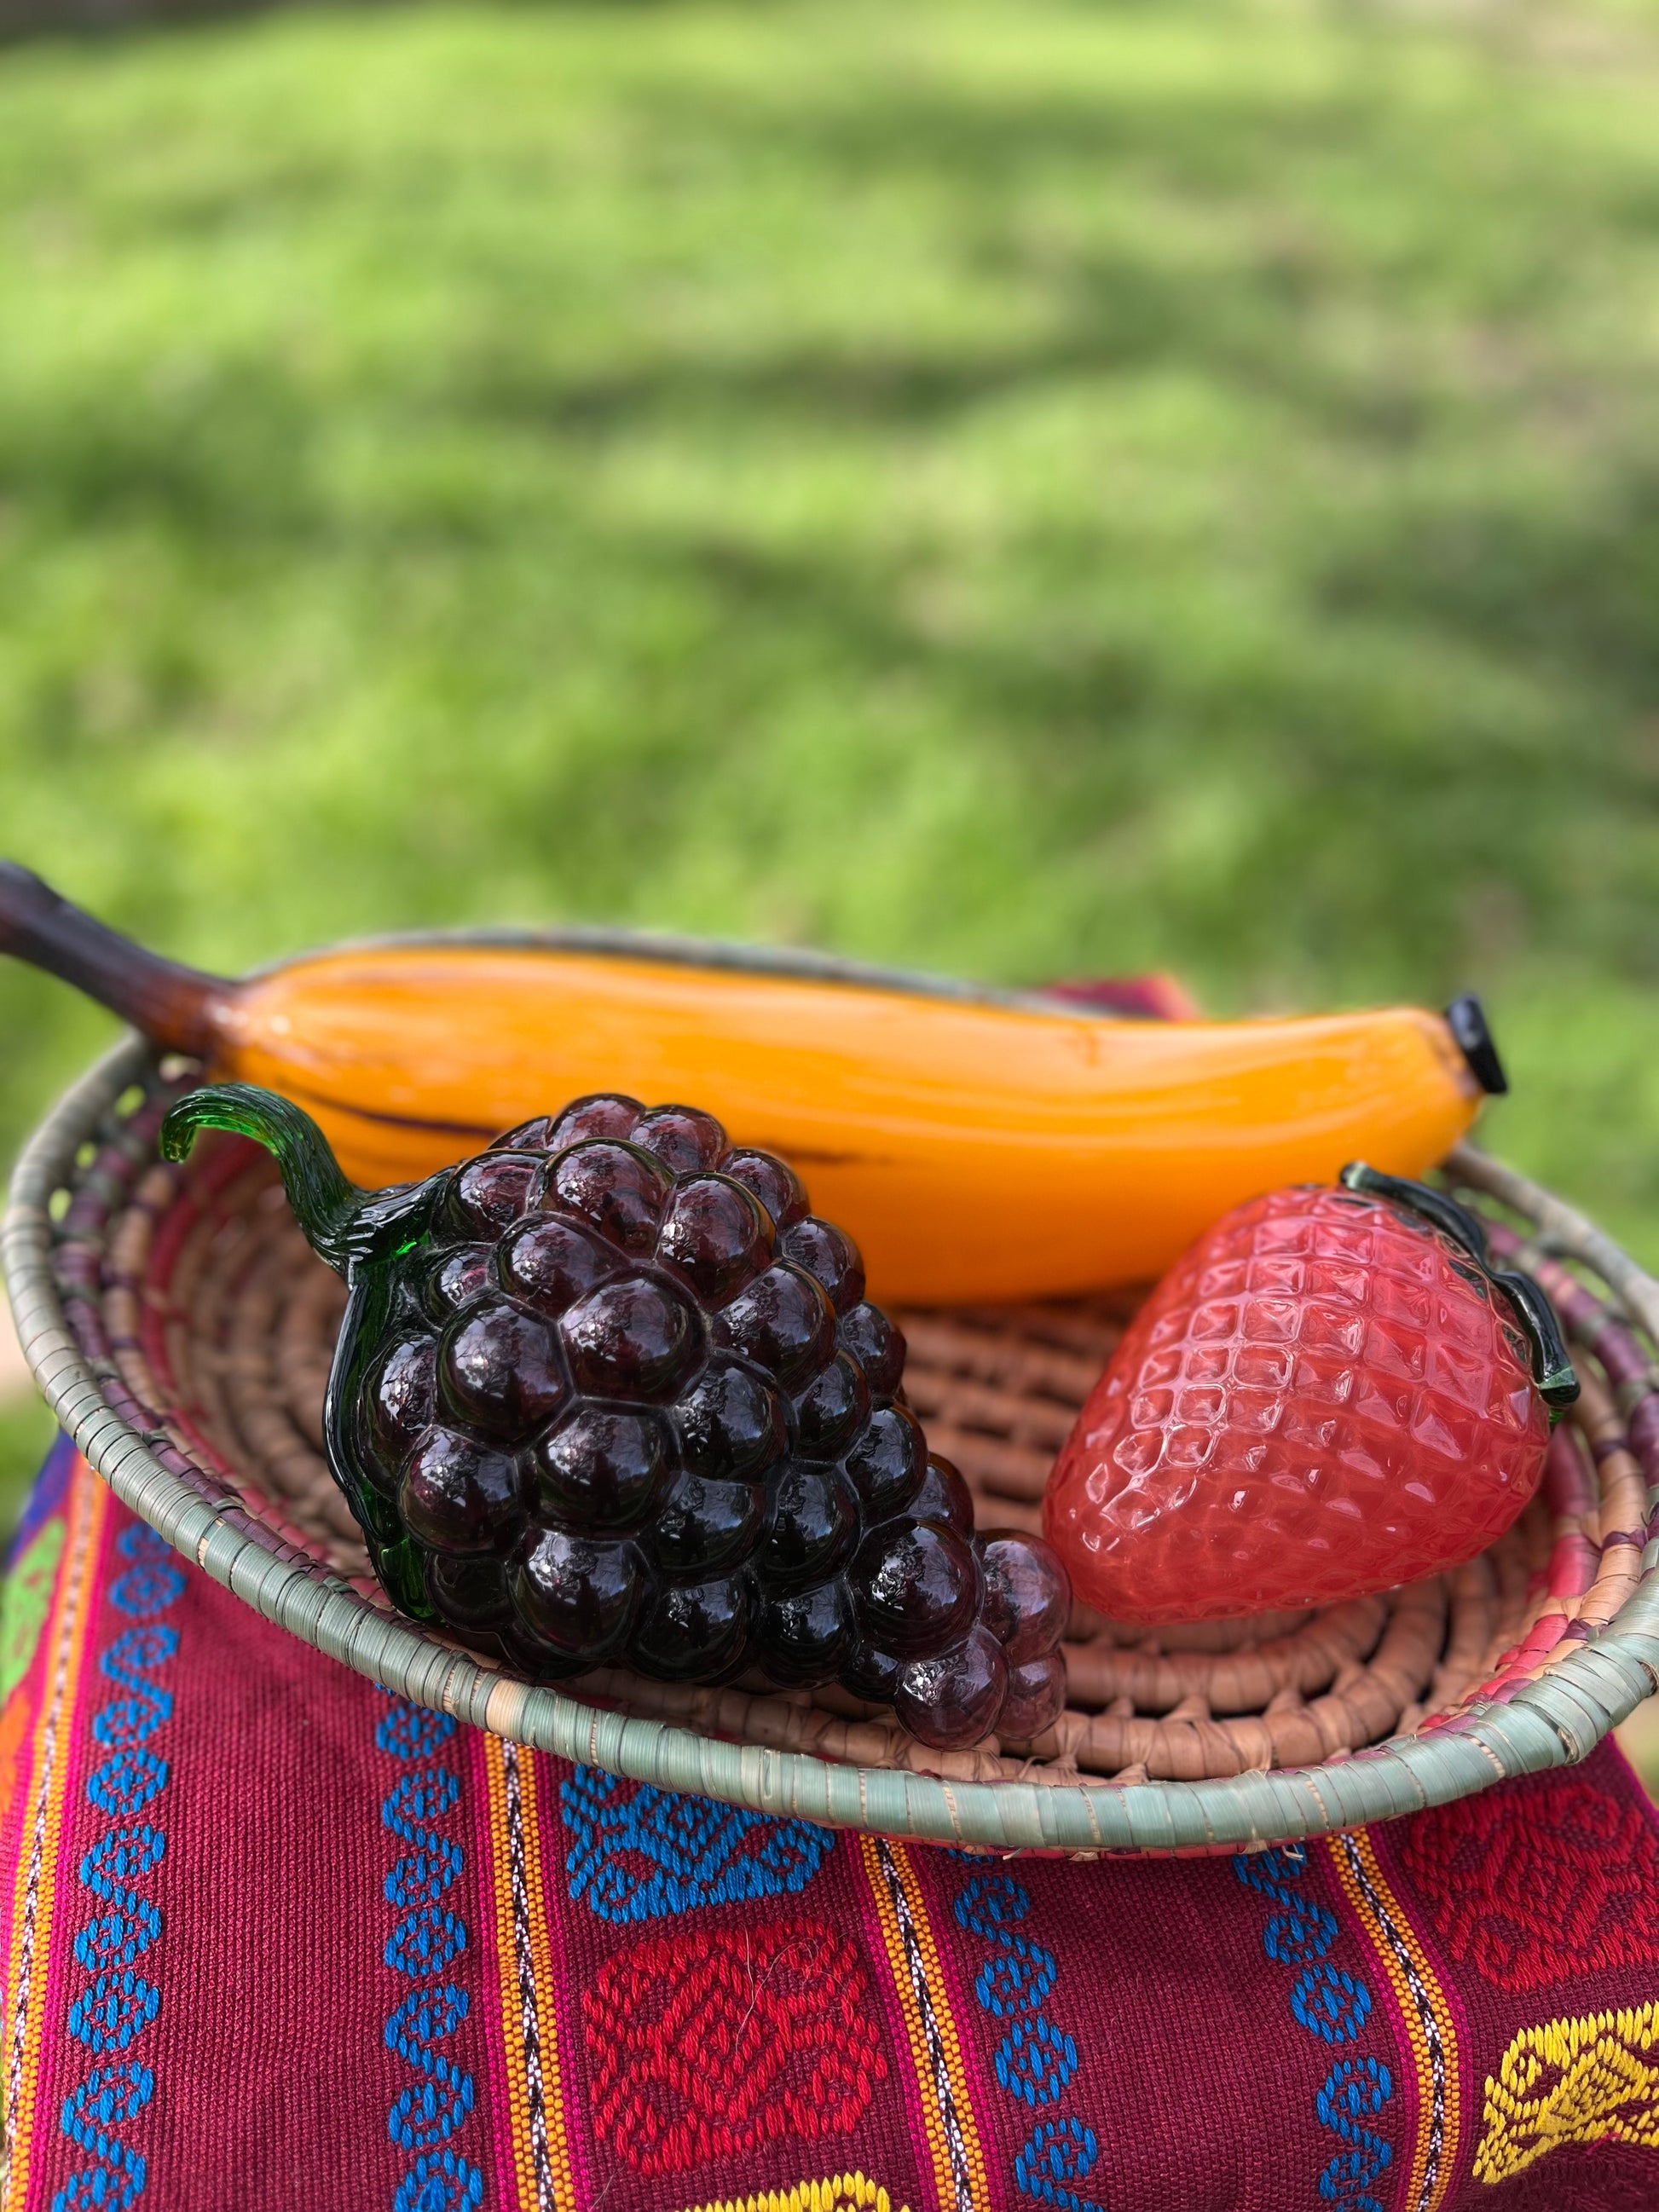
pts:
pixel 1552 1368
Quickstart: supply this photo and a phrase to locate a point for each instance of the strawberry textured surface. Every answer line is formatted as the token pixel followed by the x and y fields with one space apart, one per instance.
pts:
pixel 270 1937
pixel 1322 1398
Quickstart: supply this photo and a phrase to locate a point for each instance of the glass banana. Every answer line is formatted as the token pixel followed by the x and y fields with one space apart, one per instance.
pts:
pixel 977 1145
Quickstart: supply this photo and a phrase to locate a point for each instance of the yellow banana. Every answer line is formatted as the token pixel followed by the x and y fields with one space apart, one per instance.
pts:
pixel 979 1146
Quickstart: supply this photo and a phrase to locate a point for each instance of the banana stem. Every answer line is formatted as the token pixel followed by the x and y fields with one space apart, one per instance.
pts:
pixel 171 1003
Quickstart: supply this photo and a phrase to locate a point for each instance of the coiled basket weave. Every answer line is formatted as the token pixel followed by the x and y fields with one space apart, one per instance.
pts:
pixel 182 1331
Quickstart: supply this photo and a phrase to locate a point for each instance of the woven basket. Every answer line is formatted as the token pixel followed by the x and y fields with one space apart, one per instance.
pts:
pixel 181 1331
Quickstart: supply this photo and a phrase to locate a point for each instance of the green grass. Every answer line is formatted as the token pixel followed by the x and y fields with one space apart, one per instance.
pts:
pixel 1025 488
pixel 26 1430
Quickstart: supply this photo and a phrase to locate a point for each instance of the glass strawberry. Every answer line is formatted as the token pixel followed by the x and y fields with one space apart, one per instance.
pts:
pixel 1331 1393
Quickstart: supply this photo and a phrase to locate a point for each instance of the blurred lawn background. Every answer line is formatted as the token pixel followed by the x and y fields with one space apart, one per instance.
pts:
pixel 1026 488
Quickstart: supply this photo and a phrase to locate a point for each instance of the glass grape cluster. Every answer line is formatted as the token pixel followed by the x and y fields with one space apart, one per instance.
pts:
pixel 631 1407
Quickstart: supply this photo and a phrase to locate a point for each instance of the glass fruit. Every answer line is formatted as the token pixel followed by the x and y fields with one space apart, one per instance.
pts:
pixel 1330 1394
pixel 610 1394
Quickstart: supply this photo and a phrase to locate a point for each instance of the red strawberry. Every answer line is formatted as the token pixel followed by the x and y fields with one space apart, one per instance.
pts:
pixel 1330 1393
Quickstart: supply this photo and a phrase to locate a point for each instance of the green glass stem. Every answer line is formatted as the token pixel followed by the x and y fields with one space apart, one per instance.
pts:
pixel 344 1226
pixel 361 1234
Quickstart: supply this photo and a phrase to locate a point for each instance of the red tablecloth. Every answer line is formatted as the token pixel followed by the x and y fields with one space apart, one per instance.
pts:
pixel 276 1939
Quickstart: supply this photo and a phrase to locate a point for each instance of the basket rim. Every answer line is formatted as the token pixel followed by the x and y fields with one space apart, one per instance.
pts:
pixel 1552 1722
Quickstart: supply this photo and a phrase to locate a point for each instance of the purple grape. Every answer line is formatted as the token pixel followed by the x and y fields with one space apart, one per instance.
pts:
pixel 617 1188
pixel 459 1496
pixel 1028 1597
pixel 777 1186
pixel 532 1136
pixel 811 1524
pixel 577 1594
pixel 682 1138
pixel 549 1262
pixel 695 1631
pixel 869 1673
pixel 917 1588
pixel 704 1523
pixel 714 1236
pixel 951 1700
pixel 601 1113
pixel 784 1322
pixel 499 1369
pixel 1036 1698
pixel 628 1406
pixel 886 1460
pixel 829 1254
pixel 832 1408
pixel 459 1278
pixel 634 1338
pixel 398 1401
pixel 732 1422
pixel 943 1498
pixel 489 1191
pixel 804 1635
pixel 603 1467
pixel 877 1343
pixel 470 1592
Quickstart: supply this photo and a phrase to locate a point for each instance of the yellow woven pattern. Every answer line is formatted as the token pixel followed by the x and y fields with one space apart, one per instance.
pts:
pixel 1571 2081
pixel 941 2080
pixel 848 2192
pixel 1429 2024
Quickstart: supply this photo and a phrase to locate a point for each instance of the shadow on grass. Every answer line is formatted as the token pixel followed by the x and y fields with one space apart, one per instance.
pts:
pixel 1212 510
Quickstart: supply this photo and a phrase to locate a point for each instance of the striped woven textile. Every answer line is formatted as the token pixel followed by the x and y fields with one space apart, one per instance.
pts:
pixel 274 1938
